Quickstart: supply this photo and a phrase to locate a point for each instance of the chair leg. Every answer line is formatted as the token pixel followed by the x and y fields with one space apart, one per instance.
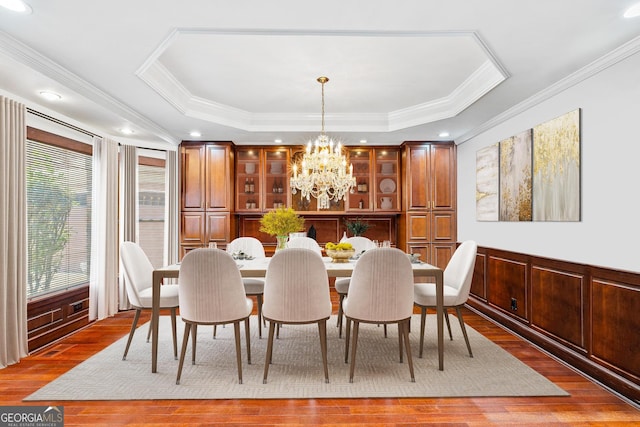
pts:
pixel 194 334
pixel 259 299
pixel 150 329
pixel 215 331
pixel 236 332
pixel 247 335
pixel 385 330
pixel 340 316
pixel 404 326
pixel 269 352
pixel 400 341
pixel 132 331
pixel 356 327
pixel 446 318
pixel 346 340
pixel 185 341
pixel 175 334
pixel 464 329
pixel 423 318
pixel 322 330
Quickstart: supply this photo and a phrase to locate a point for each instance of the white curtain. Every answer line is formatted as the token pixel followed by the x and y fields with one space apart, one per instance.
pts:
pixel 103 288
pixel 128 208
pixel 13 229
pixel 171 208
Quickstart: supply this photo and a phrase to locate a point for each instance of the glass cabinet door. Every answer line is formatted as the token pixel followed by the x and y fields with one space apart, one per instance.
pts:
pixel 248 180
pixel 387 183
pixel 276 182
pixel 360 199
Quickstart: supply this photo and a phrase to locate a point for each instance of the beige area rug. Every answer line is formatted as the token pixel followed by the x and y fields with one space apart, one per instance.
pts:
pixel 297 368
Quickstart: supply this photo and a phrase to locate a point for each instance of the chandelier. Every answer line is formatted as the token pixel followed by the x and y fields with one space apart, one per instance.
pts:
pixel 323 169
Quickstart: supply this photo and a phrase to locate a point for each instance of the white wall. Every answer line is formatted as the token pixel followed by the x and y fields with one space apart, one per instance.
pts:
pixel 610 149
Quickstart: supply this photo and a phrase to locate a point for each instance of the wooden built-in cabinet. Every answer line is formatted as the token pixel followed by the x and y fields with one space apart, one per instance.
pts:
pixel 206 193
pixel 428 223
pixel 225 188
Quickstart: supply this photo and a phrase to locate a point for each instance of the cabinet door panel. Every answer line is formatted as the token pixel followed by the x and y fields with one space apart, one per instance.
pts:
pixel 192 176
pixel 218 188
pixel 418 226
pixel 444 227
pixel 217 227
pixel 442 177
pixel 418 165
pixel 192 227
pixel 441 254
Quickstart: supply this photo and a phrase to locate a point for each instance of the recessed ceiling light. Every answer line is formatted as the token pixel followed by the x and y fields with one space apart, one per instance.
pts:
pixel 363 141
pixel 277 141
pixel 127 131
pixel 16 6
pixel 195 134
pixel 443 134
pixel 50 96
pixel 633 11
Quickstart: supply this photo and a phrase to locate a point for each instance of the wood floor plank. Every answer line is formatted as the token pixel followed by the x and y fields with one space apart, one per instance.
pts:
pixel 588 405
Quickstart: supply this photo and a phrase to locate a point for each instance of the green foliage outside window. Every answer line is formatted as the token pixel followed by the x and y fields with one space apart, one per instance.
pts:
pixel 49 203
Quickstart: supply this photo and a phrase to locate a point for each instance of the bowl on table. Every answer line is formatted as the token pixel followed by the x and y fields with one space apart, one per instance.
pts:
pixel 340 256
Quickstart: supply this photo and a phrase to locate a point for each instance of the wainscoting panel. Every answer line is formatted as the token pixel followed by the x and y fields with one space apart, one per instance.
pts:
pixel 558 298
pixel 585 315
pixel 53 317
pixel 511 295
pixel 479 284
pixel 616 326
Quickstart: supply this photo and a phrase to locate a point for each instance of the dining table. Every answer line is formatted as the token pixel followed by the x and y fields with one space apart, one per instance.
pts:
pixel 258 268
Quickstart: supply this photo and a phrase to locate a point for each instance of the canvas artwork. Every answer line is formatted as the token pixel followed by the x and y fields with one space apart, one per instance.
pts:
pixel 556 169
pixel 515 177
pixel 487 181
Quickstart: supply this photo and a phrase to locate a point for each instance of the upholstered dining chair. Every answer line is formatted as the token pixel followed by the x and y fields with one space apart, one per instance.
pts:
pixel 380 292
pixel 138 272
pixel 212 293
pixel 457 285
pixel 360 244
pixel 296 291
pixel 305 242
pixel 253 286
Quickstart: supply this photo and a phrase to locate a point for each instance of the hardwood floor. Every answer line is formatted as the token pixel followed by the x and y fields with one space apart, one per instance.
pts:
pixel 588 405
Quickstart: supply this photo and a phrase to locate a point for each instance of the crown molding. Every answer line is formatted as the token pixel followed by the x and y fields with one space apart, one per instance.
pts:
pixel 488 75
pixel 40 63
pixel 619 54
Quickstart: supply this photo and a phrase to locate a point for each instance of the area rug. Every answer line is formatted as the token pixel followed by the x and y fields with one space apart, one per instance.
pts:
pixel 296 371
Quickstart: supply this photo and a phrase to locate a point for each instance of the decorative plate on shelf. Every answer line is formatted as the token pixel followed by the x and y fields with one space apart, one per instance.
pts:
pixel 387 185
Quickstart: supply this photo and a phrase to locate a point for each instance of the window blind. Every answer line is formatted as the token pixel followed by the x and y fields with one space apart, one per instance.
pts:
pixel 58 218
pixel 151 212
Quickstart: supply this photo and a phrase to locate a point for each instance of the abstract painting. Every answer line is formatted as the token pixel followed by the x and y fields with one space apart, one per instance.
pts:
pixel 487 181
pixel 556 169
pixel 515 177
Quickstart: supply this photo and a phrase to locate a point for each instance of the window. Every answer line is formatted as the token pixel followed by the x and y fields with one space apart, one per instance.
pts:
pixel 58 213
pixel 151 210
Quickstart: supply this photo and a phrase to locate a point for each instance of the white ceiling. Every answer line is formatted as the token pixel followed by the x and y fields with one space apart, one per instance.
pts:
pixel 246 71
